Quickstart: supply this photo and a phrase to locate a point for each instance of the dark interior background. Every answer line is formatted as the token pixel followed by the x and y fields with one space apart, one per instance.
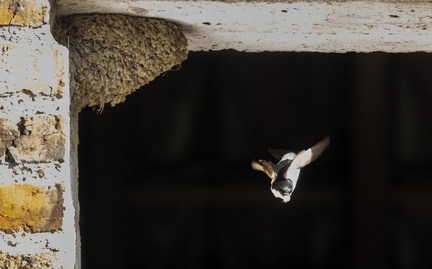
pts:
pixel 165 177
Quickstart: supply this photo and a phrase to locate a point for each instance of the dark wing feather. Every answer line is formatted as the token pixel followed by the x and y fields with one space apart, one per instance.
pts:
pixel 266 167
pixel 278 153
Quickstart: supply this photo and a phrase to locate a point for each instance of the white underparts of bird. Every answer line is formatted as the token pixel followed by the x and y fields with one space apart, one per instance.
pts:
pixel 285 173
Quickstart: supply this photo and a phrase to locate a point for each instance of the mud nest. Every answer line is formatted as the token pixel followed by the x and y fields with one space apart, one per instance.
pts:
pixel 112 55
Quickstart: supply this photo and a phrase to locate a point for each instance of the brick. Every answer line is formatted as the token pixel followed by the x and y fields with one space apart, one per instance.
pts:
pixel 24 261
pixel 24 13
pixel 8 133
pixel 32 70
pixel 42 139
pixel 31 208
pixel 34 139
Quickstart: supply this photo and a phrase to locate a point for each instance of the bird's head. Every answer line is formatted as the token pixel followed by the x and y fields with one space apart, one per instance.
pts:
pixel 282 189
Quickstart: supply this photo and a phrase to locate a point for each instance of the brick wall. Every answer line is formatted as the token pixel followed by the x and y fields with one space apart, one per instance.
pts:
pixel 37 216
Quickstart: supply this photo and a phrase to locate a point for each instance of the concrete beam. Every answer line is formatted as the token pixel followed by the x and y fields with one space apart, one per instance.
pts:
pixel 403 26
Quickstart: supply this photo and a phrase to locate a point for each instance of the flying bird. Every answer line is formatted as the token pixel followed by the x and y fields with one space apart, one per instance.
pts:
pixel 285 173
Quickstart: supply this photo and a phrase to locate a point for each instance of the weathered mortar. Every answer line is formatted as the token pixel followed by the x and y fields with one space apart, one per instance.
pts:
pixel 113 55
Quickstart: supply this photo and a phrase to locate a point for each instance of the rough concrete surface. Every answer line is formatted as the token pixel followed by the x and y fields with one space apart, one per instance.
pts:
pixel 113 55
pixel 37 221
pixel 316 26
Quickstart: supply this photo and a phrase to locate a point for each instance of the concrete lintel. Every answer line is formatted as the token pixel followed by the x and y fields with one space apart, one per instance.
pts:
pixel 403 26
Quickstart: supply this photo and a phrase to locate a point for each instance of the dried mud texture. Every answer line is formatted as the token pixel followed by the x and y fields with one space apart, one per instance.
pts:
pixel 31 208
pixel 112 55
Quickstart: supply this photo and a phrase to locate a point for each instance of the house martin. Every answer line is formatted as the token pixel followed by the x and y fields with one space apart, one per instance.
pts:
pixel 285 173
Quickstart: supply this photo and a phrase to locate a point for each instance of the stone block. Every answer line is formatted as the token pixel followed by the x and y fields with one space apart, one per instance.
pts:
pixel 42 139
pixel 24 13
pixel 39 138
pixel 31 208
pixel 31 70
pixel 26 261
pixel 8 133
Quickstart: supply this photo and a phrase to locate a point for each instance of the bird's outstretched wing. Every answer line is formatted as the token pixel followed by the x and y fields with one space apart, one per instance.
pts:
pixel 305 157
pixel 266 167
